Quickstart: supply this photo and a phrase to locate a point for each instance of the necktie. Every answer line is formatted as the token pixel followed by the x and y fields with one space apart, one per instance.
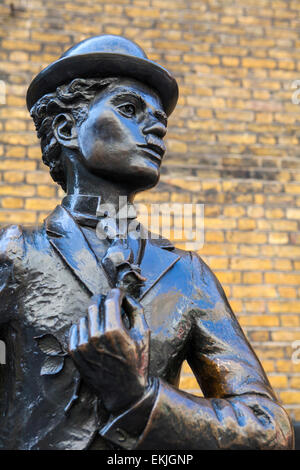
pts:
pixel 119 265
pixel 118 262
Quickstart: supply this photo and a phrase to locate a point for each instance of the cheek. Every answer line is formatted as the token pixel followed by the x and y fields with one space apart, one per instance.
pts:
pixel 103 131
pixel 94 138
pixel 116 130
pixel 109 127
pixel 105 137
pixel 106 128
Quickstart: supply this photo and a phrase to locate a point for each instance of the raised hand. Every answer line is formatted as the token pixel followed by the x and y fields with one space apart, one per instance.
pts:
pixel 111 357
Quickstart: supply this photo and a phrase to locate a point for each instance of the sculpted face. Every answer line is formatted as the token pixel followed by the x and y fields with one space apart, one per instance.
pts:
pixel 122 137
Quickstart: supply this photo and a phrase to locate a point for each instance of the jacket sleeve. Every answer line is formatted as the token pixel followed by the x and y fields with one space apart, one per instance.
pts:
pixel 239 409
pixel 11 249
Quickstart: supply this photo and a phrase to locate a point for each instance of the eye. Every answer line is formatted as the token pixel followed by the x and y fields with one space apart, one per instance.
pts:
pixel 127 109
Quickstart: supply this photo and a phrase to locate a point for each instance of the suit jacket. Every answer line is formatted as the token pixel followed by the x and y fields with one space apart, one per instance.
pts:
pixel 47 276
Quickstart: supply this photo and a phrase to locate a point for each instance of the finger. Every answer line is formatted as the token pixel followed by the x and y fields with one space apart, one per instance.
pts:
pixel 83 332
pixel 73 339
pixel 73 346
pixel 95 322
pixel 112 310
pixel 136 312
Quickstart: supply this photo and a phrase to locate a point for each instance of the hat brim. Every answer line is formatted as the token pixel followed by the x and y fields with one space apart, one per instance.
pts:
pixel 100 64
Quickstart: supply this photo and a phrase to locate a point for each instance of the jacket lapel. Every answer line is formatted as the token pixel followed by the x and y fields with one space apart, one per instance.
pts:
pixel 158 258
pixel 68 239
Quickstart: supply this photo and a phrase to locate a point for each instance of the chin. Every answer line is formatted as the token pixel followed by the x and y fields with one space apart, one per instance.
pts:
pixel 146 176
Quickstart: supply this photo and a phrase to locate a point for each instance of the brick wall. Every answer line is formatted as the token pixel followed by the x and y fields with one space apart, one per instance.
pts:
pixel 233 142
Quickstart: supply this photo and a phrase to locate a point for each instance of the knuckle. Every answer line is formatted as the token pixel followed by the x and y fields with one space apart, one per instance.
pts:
pixel 93 309
pixel 95 338
pixel 109 303
pixel 113 331
pixel 72 350
pixel 82 346
pixel 116 335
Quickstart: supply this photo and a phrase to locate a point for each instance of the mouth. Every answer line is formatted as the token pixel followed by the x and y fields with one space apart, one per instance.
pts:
pixel 154 149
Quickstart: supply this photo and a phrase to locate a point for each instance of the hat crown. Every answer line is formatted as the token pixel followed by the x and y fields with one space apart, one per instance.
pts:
pixel 100 57
pixel 106 43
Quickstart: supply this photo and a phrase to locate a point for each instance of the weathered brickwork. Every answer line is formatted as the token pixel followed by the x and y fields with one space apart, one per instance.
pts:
pixel 233 142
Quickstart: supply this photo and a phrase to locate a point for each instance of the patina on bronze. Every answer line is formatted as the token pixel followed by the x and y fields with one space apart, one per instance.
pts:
pixel 97 329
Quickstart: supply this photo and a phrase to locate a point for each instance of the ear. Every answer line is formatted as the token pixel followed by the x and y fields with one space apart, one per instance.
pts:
pixel 64 129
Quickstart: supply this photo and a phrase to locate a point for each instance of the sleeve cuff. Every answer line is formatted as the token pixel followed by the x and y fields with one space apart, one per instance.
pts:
pixel 125 429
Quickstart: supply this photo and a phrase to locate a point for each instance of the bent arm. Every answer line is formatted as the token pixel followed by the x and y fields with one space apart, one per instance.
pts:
pixel 182 421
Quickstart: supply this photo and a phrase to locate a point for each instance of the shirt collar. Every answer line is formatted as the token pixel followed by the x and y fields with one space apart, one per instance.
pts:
pixel 88 210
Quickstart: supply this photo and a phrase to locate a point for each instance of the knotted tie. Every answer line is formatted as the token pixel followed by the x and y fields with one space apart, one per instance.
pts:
pixel 118 263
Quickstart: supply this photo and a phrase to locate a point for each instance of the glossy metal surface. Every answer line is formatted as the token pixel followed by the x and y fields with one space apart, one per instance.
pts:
pixel 47 280
pixel 97 329
pixel 105 56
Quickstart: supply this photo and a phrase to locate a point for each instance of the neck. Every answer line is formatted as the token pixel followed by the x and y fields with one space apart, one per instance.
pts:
pixel 80 182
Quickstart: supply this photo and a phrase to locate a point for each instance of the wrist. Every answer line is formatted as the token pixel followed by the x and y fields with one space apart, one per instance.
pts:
pixel 126 428
pixel 126 400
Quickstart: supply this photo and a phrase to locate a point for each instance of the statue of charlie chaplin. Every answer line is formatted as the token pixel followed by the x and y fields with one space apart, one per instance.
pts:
pixel 97 327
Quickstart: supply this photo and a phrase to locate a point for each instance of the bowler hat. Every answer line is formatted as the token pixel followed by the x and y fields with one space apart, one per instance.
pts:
pixel 105 56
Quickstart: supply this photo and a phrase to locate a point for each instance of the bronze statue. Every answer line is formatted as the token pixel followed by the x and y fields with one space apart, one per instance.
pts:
pixel 97 328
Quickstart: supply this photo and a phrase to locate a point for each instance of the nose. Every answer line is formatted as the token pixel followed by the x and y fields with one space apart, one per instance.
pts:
pixel 155 127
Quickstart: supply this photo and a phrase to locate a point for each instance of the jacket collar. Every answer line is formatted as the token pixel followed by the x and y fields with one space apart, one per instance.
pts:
pixel 68 239
pixel 89 209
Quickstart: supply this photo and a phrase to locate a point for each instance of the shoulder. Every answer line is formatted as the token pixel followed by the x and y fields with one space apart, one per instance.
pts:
pixel 206 285
pixel 193 262
pixel 11 240
pixel 206 293
pixel 192 267
pixel 201 270
pixel 166 246
pixel 15 238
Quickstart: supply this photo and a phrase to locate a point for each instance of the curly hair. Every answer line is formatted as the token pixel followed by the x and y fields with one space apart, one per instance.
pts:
pixel 73 98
